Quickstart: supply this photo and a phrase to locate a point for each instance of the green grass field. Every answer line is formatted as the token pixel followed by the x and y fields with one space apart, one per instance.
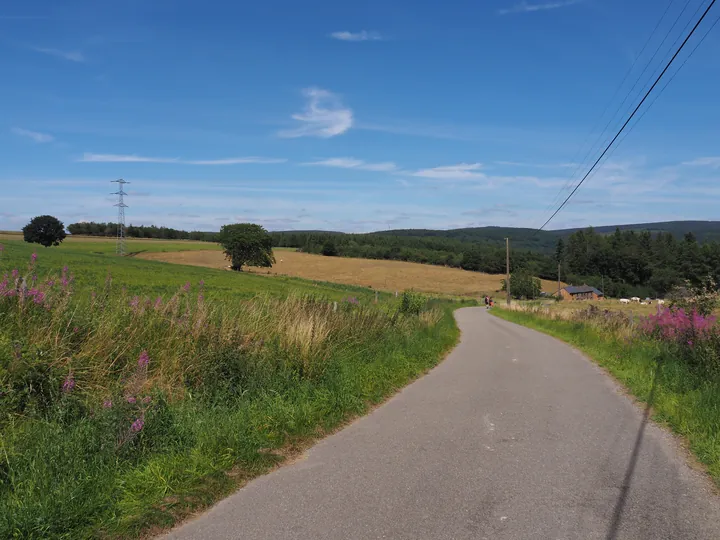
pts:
pixel 680 398
pixel 91 260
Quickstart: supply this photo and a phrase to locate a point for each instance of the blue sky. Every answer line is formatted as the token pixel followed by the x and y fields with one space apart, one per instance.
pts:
pixel 349 116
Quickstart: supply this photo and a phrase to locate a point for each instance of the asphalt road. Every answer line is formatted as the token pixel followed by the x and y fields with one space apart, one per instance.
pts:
pixel 513 436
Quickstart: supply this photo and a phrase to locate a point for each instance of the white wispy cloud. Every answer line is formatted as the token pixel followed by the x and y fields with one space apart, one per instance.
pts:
pixel 461 171
pixel 363 35
pixel 713 162
pixel 524 7
pixel 132 158
pixel 324 116
pixel 34 135
pixel 537 165
pixel 72 56
pixel 352 163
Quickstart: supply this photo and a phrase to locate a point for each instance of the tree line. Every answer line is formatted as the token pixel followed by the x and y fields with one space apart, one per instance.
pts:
pixel 91 228
pixel 637 263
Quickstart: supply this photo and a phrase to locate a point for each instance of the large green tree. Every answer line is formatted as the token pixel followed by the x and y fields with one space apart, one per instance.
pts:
pixel 246 244
pixel 44 230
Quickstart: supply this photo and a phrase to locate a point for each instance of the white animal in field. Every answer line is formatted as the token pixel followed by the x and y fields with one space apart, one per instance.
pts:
pixel 661 302
pixel 624 301
pixel 635 299
pixel 643 303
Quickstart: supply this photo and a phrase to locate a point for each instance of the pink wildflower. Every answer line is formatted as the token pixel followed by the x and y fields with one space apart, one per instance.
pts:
pixel 33 258
pixel 107 404
pixel 68 384
pixel 131 400
pixel 186 287
pixel 15 272
pixel 158 302
pixel 137 425
pixel 147 399
pixel 50 283
pixel 143 359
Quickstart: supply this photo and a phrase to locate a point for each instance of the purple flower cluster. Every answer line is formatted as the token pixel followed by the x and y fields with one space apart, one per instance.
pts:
pixel 671 324
pixel 352 300
pixel 143 359
pixel 137 425
pixel 69 383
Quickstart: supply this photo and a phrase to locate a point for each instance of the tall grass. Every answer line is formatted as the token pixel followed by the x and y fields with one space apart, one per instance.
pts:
pixel 121 411
pixel 687 386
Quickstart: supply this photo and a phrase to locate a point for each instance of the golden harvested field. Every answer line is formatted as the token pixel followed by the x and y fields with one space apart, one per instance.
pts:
pixel 383 275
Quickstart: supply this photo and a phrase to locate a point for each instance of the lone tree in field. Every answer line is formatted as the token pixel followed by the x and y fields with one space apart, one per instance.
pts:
pixel 44 230
pixel 246 244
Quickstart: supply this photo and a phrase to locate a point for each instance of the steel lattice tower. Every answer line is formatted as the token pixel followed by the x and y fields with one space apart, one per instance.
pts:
pixel 121 206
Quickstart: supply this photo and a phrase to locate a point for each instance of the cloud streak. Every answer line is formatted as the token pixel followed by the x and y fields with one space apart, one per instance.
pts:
pixel 462 171
pixel 324 116
pixel 352 163
pixel 132 158
pixel 34 135
pixel 524 7
pixel 713 162
pixel 72 56
pixel 363 35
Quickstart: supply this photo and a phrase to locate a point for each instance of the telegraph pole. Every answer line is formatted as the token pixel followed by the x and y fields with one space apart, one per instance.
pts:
pixel 507 269
pixel 558 293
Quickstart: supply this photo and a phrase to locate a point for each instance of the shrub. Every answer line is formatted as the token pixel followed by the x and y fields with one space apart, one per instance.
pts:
pixel 412 303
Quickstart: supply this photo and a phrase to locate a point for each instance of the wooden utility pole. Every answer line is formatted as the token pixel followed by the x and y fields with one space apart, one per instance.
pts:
pixel 507 269
pixel 558 293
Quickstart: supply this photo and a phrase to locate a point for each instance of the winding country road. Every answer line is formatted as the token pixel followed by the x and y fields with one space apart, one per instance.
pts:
pixel 514 436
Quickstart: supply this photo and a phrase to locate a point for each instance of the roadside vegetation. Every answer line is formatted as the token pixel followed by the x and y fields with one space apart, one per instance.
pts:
pixel 124 409
pixel 670 359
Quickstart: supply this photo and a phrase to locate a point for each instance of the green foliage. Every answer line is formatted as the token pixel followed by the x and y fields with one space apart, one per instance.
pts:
pixel 412 303
pixel 44 230
pixel 523 285
pixel 702 299
pixel 329 249
pixel 246 243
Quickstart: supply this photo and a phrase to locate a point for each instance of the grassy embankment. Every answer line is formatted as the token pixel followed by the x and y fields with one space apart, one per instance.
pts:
pixel 684 398
pixel 121 412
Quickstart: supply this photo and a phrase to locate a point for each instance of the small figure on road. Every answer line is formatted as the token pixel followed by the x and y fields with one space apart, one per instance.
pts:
pixel 487 302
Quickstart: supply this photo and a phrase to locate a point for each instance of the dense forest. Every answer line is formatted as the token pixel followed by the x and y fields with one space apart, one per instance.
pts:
pixel 640 260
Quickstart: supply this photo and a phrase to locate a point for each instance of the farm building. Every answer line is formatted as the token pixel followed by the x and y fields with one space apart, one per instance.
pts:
pixel 582 292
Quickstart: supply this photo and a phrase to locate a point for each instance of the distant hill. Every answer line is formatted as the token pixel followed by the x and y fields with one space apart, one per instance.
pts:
pixel 523 238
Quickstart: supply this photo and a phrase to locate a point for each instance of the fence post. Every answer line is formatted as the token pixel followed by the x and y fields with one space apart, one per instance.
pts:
pixel 334 307
pixel 376 297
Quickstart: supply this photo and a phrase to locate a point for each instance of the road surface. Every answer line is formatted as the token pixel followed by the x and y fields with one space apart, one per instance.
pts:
pixel 514 436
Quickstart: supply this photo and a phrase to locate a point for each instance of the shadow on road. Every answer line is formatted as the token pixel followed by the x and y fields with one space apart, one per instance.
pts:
pixel 627 481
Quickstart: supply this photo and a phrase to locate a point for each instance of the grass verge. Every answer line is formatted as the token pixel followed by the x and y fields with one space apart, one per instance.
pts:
pixel 683 400
pixel 121 413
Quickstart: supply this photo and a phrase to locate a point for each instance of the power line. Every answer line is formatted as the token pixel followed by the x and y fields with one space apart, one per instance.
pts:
pixel 697 24
pixel 668 52
pixel 672 77
pixel 607 107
